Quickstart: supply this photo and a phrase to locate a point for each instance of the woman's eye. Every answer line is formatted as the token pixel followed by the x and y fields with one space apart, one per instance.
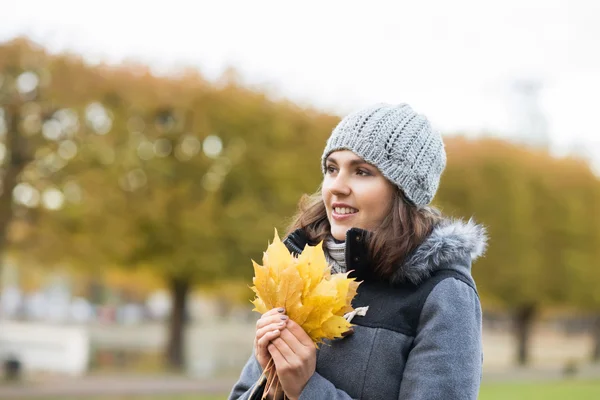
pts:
pixel 330 169
pixel 363 172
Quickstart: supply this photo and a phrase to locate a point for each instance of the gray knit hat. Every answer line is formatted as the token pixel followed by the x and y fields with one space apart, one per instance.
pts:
pixel 399 142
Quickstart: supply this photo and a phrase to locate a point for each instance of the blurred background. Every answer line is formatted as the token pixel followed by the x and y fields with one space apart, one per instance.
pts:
pixel 148 149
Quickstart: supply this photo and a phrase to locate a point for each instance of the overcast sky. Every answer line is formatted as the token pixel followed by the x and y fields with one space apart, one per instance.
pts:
pixel 455 61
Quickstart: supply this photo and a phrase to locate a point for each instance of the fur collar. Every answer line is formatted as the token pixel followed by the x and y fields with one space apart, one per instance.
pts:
pixel 451 242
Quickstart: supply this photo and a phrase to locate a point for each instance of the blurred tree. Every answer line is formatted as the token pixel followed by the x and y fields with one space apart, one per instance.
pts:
pixel 199 206
pixel 171 173
pixel 45 146
pixel 187 179
pixel 18 92
pixel 583 233
pixel 537 213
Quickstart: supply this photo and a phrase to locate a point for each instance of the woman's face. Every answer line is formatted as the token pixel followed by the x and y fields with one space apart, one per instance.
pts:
pixel 355 193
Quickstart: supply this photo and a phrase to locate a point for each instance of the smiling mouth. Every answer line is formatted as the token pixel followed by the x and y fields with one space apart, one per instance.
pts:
pixel 344 210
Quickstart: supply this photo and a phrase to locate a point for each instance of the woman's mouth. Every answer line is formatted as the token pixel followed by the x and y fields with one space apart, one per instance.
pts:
pixel 341 213
pixel 345 210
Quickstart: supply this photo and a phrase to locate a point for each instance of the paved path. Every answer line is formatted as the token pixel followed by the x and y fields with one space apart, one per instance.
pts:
pixel 65 388
pixel 113 386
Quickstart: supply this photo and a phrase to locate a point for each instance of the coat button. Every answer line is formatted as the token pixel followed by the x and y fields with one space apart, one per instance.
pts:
pixel 358 238
pixel 356 258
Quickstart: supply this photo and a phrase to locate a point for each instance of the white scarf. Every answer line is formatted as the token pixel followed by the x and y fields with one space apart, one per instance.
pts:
pixel 336 255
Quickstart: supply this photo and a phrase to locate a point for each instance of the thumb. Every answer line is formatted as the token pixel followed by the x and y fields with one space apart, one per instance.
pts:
pixel 299 333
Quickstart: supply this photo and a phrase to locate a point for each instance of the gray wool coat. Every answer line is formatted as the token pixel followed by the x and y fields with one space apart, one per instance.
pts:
pixel 421 336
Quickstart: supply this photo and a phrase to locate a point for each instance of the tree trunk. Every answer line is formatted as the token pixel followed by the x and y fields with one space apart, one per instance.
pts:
pixel 18 158
pixel 596 333
pixel 523 321
pixel 176 341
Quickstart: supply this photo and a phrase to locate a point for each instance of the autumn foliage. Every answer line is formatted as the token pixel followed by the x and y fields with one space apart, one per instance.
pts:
pixel 149 196
pixel 304 286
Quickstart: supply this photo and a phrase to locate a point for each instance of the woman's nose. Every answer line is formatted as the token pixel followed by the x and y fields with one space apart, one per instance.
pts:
pixel 339 185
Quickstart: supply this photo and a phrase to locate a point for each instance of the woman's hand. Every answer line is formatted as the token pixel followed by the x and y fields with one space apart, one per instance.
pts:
pixel 295 357
pixel 268 327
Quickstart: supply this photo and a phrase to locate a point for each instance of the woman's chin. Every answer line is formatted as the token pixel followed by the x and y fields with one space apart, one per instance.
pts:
pixel 339 233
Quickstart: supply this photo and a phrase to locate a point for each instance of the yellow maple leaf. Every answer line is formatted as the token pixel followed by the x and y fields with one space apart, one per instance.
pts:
pixel 312 296
pixel 277 257
pixel 334 326
pixel 312 266
pixel 343 287
pixel 289 291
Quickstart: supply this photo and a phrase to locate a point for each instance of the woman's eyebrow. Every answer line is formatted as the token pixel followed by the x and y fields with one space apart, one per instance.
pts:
pixel 353 162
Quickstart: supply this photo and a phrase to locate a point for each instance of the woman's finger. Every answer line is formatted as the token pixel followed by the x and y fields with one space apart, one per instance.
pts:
pixel 290 339
pixel 299 333
pixel 285 350
pixel 266 338
pixel 269 318
pixel 260 349
pixel 278 358
pixel 300 350
pixel 270 323
pixel 277 324
pixel 275 311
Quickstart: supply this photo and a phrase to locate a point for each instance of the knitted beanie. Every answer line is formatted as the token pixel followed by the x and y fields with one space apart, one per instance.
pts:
pixel 399 142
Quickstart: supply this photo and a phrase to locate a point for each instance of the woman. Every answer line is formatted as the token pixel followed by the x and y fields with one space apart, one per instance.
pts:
pixel 421 335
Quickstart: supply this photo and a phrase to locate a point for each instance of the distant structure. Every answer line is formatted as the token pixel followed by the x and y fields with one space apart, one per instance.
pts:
pixel 531 126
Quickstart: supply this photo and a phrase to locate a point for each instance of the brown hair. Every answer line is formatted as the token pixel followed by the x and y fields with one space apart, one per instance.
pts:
pixel 401 232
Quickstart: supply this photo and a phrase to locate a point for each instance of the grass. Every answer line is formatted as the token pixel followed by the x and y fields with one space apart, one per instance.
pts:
pixel 580 390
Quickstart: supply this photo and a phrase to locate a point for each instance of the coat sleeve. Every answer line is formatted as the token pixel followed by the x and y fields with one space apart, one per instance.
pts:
pixel 317 387
pixel 244 386
pixel 446 359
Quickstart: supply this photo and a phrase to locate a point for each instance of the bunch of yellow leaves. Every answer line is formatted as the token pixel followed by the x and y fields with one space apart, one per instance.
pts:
pixel 312 297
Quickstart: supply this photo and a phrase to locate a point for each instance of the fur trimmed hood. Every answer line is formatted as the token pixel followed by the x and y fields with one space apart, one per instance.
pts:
pixel 452 243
